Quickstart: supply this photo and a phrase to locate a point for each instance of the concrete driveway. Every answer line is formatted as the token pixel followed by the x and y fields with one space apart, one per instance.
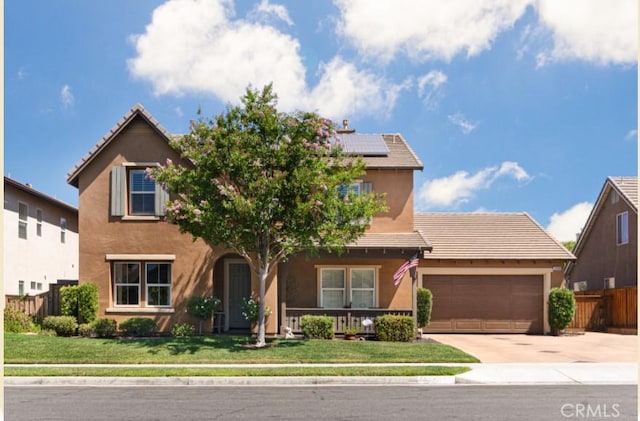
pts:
pixel 515 348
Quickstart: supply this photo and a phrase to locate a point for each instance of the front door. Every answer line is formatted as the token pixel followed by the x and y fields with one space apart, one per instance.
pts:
pixel 238 280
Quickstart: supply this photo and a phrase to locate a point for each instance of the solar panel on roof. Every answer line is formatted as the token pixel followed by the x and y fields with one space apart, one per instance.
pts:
pixel 364 144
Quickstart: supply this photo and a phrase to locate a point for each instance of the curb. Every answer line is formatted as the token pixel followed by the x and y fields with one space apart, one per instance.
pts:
pixel 231 381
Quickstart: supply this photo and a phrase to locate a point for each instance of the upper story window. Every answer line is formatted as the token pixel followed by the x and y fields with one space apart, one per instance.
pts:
pixel 134 194
pixel 622 228
pixel 23 216
pixel 142 192
pixel 39 222
pixel 63 230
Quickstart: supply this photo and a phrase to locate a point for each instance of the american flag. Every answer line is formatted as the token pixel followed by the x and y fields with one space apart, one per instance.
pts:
pixel 411 263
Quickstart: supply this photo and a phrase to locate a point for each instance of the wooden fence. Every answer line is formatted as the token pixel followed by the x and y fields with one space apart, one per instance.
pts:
pixel 41 305
pixel 604 309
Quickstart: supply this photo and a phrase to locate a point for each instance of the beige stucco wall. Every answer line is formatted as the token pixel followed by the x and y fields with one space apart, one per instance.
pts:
pixel 102 235
pixel 398 188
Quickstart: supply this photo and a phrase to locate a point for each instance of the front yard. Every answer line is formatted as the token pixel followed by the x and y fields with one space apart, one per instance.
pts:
pixel 34 349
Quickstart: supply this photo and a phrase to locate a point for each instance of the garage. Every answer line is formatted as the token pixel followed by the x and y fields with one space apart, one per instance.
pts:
pixel 486 303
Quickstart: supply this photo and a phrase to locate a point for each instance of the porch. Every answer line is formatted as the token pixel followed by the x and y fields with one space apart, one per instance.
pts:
pixel 342 317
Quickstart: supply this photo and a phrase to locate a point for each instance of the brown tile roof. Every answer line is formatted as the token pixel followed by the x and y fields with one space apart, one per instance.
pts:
pixel 136 110
pixel 488 236
pixel 400 155
pixel 410 240
pixel 628 188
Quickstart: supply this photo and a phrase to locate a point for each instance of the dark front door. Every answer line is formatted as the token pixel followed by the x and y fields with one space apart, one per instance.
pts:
pixel 239 283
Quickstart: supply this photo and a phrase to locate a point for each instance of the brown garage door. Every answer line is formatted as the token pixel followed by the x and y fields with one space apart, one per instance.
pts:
pixel 485 303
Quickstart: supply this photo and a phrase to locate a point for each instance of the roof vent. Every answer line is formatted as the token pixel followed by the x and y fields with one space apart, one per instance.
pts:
pixel 345 127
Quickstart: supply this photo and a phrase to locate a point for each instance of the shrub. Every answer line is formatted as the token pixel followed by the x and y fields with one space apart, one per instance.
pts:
pixel 202 308
pixel 317 327
pixel 393 328
pixel 183 330
pixel 80 301
pixel 138 326
pixel 62 325
pixel 562 307
pixel 86 330
pixel 17 321
pixel 105 328
pixel 425 302
pixel 47 332
pixel 251 307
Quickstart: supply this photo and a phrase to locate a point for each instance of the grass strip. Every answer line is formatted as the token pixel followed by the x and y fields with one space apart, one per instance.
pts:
pixel 232 372
pixel 34 349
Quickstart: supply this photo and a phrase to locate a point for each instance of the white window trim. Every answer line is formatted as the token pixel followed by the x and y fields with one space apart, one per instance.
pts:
pixel 347 287
pixel 131 193
pixel 39 219
pixel 23 221
pixel 147 284
pixel 625 228
pixel 375 286
pixel 139 284
pixel 343 289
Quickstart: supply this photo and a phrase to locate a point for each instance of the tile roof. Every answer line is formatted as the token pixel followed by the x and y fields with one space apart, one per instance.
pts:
pixel 628 188
pixel 400 155
pixel 410 240
pixel 490 236
pixel 30 190
pixel 138 109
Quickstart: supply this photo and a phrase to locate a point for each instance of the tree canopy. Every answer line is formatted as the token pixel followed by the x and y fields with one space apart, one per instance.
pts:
pixel 266 184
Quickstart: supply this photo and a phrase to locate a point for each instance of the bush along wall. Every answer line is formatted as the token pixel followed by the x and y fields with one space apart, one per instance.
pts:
pixel 393 328
pixel 562 308
pixel 80 301
pixel 317 327
pixel 425 302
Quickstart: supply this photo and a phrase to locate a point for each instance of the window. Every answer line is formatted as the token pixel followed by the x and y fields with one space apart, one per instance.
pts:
pixel 159 284
pixel 363 287
pixel 63 230
pixel 23 215
pixel 126 280
pixel 141 193
pixel 39 222
pixel 39 286
pixel 33 284
pixel 333 288
pixel 135 287
pixel 622 228
pixel 134 194
pixel 354 287
pixel 20 288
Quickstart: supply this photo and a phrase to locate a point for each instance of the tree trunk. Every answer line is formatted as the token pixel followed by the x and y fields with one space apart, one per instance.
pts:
pixel 264 271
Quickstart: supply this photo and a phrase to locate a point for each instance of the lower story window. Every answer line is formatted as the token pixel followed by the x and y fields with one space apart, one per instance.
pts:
pixel 126 281
pixel 353 287
pixel 158 284
pixel 130 282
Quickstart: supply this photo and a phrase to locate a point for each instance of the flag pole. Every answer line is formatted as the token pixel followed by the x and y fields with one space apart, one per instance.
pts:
pixel 414 297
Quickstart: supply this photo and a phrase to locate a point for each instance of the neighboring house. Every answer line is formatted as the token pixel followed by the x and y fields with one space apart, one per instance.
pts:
pixel 40 240
pixel 145 267
pixel 607 248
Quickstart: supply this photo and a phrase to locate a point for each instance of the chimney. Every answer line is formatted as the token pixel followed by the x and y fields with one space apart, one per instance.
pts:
pixel 345 127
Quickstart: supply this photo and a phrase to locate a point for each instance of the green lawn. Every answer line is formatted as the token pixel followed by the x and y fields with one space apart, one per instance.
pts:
pixel 33 349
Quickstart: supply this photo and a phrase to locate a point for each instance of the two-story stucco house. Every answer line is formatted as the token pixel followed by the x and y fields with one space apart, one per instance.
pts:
pixel 40 240
pixel 145 267
pixel 607 247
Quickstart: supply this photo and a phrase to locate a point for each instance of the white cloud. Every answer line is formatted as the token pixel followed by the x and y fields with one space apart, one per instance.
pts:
pixel 566 225
pixel 264 10
pixel 465 125
pixel 591 30
pixel 632 135
pixel 425 29
pixel 429 87
pixel 451 191
pixel 221 55
pixel 66 97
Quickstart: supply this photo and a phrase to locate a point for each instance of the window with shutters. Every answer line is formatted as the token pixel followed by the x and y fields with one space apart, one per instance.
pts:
pixel 134 195
pixel 357 189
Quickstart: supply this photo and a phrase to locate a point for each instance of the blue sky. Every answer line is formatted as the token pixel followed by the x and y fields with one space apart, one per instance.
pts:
pixel 512 105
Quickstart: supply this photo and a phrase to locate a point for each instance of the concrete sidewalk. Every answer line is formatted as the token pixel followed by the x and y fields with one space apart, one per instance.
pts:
pixel 488 374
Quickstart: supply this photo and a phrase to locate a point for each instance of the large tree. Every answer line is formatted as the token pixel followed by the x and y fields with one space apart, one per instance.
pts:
pixel 266 184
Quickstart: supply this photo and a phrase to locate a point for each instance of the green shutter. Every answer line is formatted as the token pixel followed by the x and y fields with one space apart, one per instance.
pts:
pixel 118 190
pixel 162 197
